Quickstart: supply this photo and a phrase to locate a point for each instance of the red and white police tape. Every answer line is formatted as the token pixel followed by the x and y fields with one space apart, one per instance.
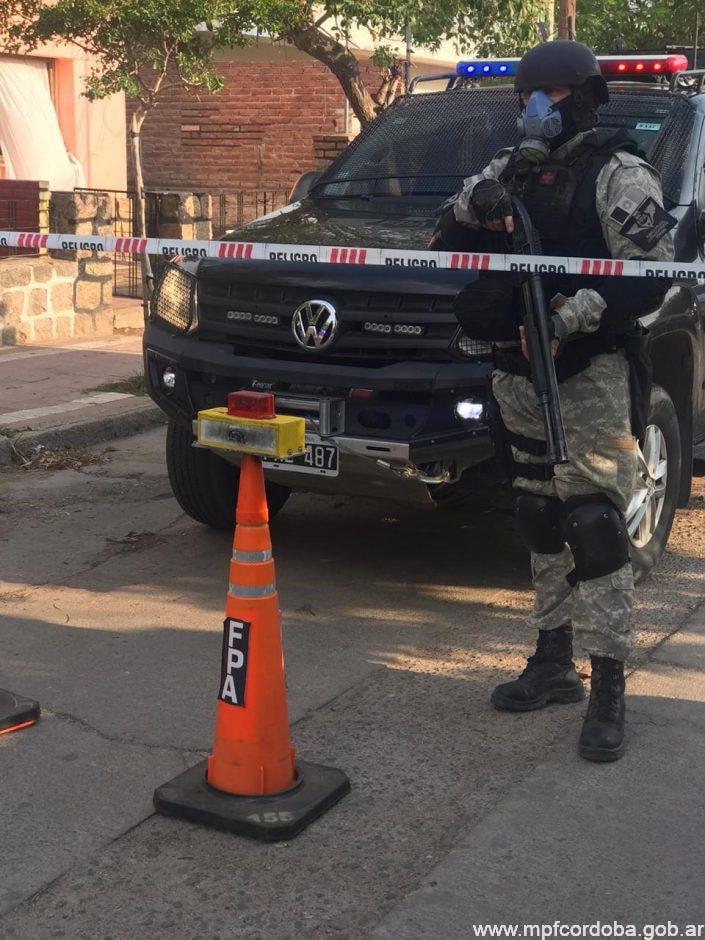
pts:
pixel 326 254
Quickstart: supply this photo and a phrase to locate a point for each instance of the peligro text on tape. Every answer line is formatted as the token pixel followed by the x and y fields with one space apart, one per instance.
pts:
pixel 381 257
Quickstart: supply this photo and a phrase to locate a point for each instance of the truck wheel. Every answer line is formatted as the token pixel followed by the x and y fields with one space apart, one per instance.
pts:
pixel 205 486
pixel 652 508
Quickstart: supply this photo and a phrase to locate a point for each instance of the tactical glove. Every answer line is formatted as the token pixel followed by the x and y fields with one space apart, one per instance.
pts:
pixel 490 201
pixel 559 330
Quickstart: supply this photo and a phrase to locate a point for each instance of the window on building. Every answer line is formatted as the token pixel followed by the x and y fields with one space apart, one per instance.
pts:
pixel 30 137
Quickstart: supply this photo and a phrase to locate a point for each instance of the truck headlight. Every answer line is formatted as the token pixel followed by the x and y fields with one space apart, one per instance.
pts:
pixel 174 299
pixel 470 348
pixel 469 409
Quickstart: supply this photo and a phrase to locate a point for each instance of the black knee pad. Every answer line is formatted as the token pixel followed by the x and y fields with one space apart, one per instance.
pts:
pixel 540 523
pixel 597 534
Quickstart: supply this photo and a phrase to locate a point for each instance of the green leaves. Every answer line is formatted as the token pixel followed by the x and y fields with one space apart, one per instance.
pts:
pixel 641 25
pixel 487 25
pixel 140 46
pixel 136 44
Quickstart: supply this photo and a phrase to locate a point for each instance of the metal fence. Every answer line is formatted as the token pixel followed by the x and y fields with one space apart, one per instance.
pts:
pixel 127 276
pixel 127 269
pixel 231 209
pixel 236 208
pixel 19 211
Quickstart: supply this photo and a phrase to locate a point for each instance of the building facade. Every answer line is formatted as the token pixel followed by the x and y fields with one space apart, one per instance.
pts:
pixel 51 130
pixel 280 114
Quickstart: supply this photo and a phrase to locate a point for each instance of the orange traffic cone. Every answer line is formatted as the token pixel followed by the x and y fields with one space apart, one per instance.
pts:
pixel 252 753
pixel 16 712
pixel 251 783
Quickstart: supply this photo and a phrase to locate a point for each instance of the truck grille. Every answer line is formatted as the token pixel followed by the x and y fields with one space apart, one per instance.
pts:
pixel 372 326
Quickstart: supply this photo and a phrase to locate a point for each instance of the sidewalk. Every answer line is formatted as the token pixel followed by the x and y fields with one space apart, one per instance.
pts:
pixel 112 613
pixel 73 393
pixel 582 843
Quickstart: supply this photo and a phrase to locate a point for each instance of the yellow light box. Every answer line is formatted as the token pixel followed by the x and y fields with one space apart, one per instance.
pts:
pixel 281 436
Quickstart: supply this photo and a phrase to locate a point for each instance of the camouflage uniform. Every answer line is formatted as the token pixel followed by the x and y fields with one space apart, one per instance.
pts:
pixel 596 411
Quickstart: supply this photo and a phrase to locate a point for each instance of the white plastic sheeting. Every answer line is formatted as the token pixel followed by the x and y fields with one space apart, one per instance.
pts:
pixel 30 136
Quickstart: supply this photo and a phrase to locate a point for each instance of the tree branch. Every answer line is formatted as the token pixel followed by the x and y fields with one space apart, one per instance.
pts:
pixel 321 20
pixel 342 64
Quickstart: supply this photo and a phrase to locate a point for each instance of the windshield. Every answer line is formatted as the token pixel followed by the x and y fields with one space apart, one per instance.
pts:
pixel 427 144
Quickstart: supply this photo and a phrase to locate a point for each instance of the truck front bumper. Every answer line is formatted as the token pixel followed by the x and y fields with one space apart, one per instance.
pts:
pixel 415 400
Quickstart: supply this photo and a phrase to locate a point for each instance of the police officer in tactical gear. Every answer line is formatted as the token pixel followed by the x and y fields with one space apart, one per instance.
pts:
pixel 588 194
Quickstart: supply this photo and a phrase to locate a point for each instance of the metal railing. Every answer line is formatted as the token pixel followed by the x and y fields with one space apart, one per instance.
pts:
pixel 19 212
pixel 231 210
pixel 234 209
pixel 127 272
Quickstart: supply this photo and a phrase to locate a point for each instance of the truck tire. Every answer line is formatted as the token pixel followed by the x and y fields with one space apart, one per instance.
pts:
pixel 653 506
pixel 205 486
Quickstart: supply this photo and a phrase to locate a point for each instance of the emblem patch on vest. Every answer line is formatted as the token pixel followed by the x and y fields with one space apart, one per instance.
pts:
pixel 641 219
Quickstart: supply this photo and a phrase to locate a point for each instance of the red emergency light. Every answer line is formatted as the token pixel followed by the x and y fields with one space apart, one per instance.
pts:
pixel 642 64
pixel 610 65
pixel 251 404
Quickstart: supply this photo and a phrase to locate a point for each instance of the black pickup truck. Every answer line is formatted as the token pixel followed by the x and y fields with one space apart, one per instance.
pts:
pixel 393 392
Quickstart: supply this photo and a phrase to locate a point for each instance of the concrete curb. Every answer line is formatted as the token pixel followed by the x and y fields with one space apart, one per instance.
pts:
pixel 142 415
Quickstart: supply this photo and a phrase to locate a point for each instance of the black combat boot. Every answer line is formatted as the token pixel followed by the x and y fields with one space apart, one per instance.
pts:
pixel 602 737
pixel 549 676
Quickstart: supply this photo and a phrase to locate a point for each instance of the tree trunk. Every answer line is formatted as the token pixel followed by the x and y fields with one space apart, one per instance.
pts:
pixel 136 123
pixel 342 64
pixel 566 19
pixel 392 86
pixel 550 18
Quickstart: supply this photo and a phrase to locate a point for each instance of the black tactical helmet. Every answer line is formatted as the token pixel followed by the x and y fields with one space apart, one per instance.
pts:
pixel 562 62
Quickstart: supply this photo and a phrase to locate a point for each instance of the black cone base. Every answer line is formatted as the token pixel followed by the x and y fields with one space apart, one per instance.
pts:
pixel 267 818
pixel 16 712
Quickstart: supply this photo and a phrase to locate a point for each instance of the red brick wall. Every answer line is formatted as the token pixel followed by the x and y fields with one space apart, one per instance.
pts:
pixel 326 148
pixel 257 133
pixel 19 211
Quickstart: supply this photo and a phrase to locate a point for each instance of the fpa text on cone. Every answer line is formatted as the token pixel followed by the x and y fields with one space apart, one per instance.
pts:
pixel 251 783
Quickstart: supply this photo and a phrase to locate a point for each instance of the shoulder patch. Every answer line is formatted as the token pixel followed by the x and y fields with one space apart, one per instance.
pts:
pixel 637 216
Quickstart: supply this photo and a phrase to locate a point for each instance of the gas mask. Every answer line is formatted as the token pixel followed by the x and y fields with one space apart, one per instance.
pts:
pixel 540 123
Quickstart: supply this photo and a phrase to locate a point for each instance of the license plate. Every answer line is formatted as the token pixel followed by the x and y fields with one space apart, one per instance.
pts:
pixel 319 458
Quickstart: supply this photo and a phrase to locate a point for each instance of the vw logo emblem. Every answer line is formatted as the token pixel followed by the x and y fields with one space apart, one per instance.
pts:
pixel 314 325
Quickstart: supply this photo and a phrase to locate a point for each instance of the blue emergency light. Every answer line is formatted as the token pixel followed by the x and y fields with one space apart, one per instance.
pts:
pixel 610 65
pixel 484 68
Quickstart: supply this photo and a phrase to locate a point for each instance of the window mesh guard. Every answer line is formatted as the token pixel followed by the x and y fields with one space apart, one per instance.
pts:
pixel 427 144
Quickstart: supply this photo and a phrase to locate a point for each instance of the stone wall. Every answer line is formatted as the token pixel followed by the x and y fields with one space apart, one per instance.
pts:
pixel 185 215
pixel 37 300
pixel 87 213
pixel 125 209
pixel 67 293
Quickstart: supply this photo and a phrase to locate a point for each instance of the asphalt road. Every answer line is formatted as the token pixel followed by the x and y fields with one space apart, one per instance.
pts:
pixel 397 623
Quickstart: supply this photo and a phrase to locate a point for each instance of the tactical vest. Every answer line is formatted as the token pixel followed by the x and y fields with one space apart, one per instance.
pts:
pixel 560 199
